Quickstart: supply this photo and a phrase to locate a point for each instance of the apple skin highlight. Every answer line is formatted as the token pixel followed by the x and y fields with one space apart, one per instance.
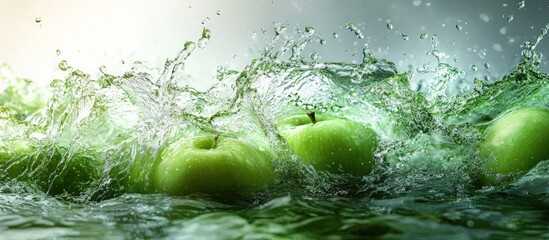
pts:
pixel 212 164
pixel 331 144
pixel 514 143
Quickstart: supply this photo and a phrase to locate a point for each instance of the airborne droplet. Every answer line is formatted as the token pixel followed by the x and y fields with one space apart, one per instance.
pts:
pixel 521 4
pixel 58 52
pixel 279 29
pixel 38 20
pixel 63 65
pixel 474 68
pixel 206 20
pixel 459 27
pixel 510 18
pixel 206 34
pixel 423 35
pixel 355 30
pixel 315 56
pixel 389 25
pixel 309 30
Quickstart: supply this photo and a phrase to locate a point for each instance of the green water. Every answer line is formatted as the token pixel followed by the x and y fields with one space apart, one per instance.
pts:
pixel 76 159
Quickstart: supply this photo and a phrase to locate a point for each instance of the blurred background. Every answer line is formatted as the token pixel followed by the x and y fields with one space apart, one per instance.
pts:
pixel 481 38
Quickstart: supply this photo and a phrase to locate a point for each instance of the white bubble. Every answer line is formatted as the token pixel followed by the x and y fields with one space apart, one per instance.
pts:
pixel 416 3
pixel 503 30
pixel 497 47
pixel 484 17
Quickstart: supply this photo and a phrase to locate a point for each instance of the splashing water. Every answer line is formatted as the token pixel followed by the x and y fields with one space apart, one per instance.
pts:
pixel 94 138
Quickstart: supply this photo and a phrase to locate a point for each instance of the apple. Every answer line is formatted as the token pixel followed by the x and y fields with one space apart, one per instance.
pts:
pixel 212 164
pixel 331 144
pixel 514 143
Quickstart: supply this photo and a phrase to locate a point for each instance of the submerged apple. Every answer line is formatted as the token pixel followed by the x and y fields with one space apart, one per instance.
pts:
pixel 515 143
pixel 331 144
pixel 212 164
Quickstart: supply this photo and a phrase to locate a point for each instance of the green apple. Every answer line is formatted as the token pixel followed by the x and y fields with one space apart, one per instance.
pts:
pixel 514 143
pixel 212 164
pixel 331 144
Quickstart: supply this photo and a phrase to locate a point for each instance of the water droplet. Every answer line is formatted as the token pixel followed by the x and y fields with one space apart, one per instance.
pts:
pixel 206 34
pixel 484 17
pixel 389 25
pixel 38 20
pixel 58 52
pixel 487 65
pixel 206 20
pixel 416 3
pixel 309 30
pixel 521 4
pixel 354 29
pixel 423 35
pixel 455 60
pixel 279 29
pixel 544 31
pixel 459 27
pixel 63 65
pixel 510 18
pixel 474 68
pixel 315 56
pixel 123 61
pixel 335 35
pixel 404 36
pixel 102 69
pixel 322 41
pixel 505 5
pixel 497 47
pixel 218 12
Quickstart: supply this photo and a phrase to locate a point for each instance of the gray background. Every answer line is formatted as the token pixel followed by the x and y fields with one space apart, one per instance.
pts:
pixel 91 34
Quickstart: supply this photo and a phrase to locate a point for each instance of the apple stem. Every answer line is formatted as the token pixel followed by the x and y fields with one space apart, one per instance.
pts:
pixel 312 116
pixel 215 141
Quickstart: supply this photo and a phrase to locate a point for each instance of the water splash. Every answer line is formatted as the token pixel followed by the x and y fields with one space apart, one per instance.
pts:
pixel 138 113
